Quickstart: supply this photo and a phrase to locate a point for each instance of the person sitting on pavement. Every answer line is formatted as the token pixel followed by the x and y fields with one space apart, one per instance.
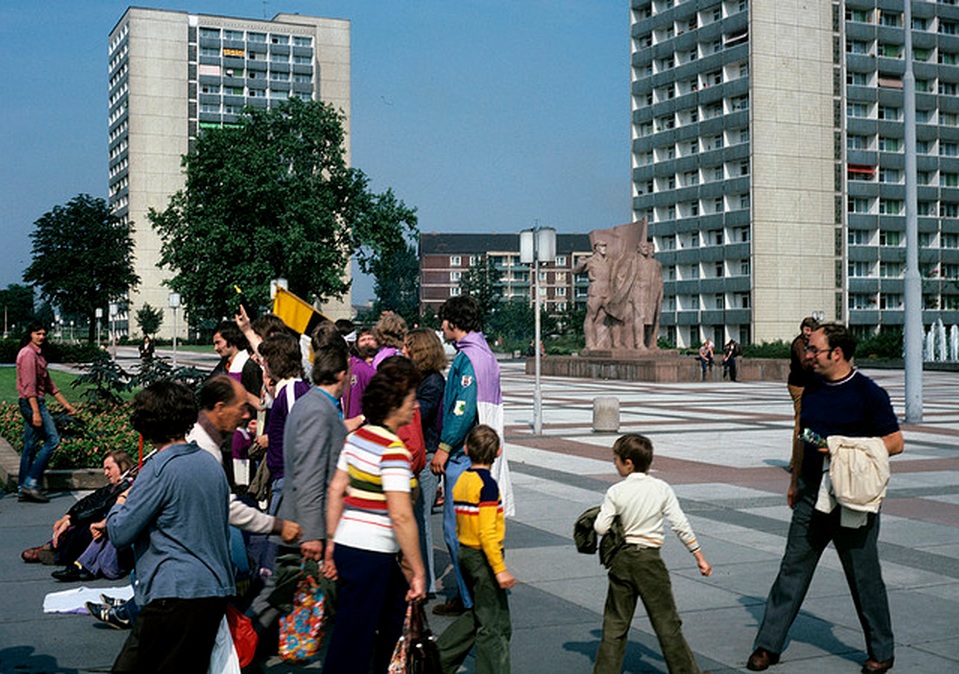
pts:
pixel 72 533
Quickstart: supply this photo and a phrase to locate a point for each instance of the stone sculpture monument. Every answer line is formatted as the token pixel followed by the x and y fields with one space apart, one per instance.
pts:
pixel 625 293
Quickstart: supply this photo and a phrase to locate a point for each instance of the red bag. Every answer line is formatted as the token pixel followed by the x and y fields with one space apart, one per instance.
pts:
pixel 244 636
pixel 412 436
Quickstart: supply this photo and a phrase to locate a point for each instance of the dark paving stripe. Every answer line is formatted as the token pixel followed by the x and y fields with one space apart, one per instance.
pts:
pixel 727 511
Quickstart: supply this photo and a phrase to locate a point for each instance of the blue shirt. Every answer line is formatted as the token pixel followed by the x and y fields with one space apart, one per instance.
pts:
pixel 177 519
pixel 854 406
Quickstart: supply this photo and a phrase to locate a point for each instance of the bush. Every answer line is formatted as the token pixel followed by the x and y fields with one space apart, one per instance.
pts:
pixel 54 352
pixel 887 344
pixel 777 349
pixel 100 430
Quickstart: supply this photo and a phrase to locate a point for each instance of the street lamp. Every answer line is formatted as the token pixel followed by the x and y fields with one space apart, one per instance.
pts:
pixel 535 246
pixel 174 301
pixel 99 315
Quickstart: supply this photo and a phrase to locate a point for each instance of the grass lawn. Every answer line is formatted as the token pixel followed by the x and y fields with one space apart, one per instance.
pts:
pixel 8 384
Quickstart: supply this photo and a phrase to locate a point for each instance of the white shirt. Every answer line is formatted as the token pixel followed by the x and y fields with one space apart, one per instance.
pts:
pixel 642 502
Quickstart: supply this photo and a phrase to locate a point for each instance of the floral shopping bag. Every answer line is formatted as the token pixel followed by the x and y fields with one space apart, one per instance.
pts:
pixel 301 631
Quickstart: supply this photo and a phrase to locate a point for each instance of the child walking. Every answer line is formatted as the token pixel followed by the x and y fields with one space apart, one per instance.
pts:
pixel 638 571
pixel 480 528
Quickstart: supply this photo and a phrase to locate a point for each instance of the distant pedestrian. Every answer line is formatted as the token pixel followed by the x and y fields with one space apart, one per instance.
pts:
pixel 800 375
pixel 33 385
pixel 731 352
pixel 637 571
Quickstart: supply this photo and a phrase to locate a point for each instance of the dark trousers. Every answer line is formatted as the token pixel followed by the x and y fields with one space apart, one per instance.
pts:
pixel 809 533
pixel 370 607
pixel 172 636
pixel 639 573
pixel 487 624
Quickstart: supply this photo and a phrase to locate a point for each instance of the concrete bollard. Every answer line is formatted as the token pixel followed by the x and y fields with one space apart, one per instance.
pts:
pixel 605 414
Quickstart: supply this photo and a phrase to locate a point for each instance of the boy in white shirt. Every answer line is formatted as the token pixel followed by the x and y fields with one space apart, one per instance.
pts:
pixel 637 570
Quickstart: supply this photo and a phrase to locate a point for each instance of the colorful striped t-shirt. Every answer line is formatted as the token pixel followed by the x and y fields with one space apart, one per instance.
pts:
pixel 376 461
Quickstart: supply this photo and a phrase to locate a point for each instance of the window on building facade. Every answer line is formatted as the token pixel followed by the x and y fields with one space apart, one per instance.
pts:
pixel 454 291
pixel 858 269
pixel 456 261
pixel 890 206
pixel 888 112
pixel 889 144
pixel 890 175
pixel 890 238
pixel 456 275
pixel 857 79
pixel 948 179
pixel 858 205
pixel 948 210
pixel 857 110
pixel 890 269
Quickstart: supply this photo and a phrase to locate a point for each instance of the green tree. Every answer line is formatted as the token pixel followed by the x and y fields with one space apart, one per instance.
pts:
pixel 482 282
pixel 82 257
pixel 18 310
pixel 149 319
pixel 397 283
pixel 273 197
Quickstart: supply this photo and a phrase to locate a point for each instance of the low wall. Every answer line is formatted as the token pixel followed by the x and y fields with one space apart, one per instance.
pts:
pixel 663 367
pixel 53 480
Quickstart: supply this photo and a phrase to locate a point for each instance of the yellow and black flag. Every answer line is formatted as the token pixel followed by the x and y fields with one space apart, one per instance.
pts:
pixel 296 313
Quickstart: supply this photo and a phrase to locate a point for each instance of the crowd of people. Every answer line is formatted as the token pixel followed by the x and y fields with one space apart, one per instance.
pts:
pixel 338 454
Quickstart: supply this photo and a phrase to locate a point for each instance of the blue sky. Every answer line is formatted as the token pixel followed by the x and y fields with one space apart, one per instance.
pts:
pixel 486 115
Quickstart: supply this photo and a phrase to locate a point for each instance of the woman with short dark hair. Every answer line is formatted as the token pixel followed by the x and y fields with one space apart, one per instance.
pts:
pixel 176 518
pixel 374 552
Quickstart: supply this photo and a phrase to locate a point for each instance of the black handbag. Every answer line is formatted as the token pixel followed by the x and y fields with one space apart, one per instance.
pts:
pixel 417 651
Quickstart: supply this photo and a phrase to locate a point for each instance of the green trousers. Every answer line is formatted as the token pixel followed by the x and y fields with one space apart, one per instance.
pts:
pixel 487 624
pixel 639 573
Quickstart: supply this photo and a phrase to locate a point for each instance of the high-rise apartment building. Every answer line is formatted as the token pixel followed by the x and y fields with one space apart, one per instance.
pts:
pixel 172 74
pixel 768 157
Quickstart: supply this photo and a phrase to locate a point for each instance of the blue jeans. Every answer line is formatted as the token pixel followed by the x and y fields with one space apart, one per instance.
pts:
pixel 423 512
pixel 33 462
pixel 455 466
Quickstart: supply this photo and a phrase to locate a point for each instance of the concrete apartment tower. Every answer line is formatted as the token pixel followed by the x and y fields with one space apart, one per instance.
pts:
pixel 174 73
pixel 767 155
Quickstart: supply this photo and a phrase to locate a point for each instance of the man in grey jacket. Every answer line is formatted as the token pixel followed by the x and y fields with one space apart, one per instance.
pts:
pixel 312 440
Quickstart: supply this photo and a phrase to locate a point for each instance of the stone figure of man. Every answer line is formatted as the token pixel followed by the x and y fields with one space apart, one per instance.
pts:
pixel 597 269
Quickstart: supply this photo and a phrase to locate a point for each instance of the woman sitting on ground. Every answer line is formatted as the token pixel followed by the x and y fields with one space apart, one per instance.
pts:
pixel 72 533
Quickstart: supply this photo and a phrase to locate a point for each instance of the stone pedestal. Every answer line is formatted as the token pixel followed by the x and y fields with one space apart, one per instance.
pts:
pixel 655 366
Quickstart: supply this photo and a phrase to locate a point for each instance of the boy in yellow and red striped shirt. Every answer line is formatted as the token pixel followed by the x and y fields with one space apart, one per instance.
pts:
pixel 480 528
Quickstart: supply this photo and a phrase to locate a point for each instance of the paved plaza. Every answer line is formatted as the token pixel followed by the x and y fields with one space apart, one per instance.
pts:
pixel 724 448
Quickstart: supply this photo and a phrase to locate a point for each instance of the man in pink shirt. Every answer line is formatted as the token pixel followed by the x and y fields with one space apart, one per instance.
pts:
pixel 33 385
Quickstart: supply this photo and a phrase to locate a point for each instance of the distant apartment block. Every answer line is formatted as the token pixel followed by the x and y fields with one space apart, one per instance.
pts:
pixel 767 154
pixel 444 258
pixel 172 74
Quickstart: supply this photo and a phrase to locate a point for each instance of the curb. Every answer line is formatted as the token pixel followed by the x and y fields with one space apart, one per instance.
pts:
pixel 53 480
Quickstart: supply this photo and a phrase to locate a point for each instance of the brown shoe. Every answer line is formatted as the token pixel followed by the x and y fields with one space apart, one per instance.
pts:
pixel 761 659
pixel 453 607
pixel 875 667
pixel 31 555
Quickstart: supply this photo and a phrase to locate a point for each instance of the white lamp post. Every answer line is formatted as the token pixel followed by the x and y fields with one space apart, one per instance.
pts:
pixel 535 246
pixel 114 309
pixel 99 315
pixel 174 301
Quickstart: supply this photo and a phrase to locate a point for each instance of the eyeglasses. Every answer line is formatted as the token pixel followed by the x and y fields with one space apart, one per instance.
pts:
pixel 815 351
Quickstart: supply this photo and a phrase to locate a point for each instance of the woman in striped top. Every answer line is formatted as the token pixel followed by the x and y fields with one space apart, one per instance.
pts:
pixel 375 552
